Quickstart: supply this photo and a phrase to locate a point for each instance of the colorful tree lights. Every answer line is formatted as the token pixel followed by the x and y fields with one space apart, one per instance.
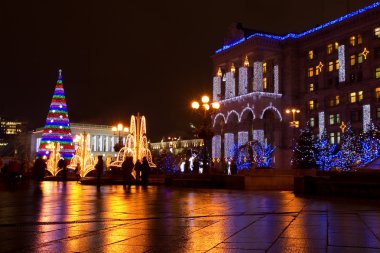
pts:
pixel 57 126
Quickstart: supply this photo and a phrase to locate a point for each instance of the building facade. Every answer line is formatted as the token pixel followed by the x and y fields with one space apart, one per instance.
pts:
pixel 174 145
pixel 331 73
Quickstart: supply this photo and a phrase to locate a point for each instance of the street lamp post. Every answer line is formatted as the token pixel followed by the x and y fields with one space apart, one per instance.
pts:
pixel 294 123
pixel 205 131
pixel 119 130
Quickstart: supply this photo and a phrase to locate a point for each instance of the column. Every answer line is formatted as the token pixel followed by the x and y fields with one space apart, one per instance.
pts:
pixel 257 76
pixel 242 138
pixel 216 146
pixel 366 116
pixel 342 64
pixel 228 144
pixel 276 79
pixel 243 80
pixel 230 85
pixel 321 123
pixel 258 135
pixel 217 82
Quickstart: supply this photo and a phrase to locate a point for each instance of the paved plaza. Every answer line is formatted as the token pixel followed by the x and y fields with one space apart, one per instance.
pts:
pixel 70 217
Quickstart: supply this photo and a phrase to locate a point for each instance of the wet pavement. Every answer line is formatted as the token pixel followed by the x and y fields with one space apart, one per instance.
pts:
pixel 69 217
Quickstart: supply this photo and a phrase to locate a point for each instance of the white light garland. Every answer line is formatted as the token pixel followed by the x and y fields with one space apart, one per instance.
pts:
pixel 217 82
pixel 342 64
pixel 257 76
pixel 228 144
pixel 242 138
pixel 232 112
pixel 321 123
pixel 243 80
pixel 230 85
pixel 252 95
pixel 271 107
pixel 217 116
pixel 258 134
pixel 276 79
pixel 216 146
pixel 366 116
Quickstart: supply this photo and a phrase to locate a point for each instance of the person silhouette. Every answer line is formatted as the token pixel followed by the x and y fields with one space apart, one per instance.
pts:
pixel 145 169
pixel 127 168
pixel 99 170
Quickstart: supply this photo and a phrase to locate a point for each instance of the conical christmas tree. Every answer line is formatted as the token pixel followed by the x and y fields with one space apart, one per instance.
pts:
pixel 57 126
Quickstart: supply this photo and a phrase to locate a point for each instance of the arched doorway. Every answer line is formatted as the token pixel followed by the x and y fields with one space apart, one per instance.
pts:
pixel 269 119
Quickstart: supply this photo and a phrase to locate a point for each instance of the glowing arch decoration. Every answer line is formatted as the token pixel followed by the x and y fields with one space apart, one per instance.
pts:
pixel 271 107
pixel 232 112
pixel 83 159
pixel 217 116
pixel 136 144
pixel 247 108
pixel 54 149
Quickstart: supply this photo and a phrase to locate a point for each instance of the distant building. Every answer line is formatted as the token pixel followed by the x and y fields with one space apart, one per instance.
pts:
pixel 102 142
pixel 10 131
pixel 331 73
pixel 174 145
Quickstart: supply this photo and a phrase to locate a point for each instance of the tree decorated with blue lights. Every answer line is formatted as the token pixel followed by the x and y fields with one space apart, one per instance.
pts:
pixel 370 144
pixel 349 154
pixel 304 150
pixel 57 126
pixel 253 153
pixel 325 153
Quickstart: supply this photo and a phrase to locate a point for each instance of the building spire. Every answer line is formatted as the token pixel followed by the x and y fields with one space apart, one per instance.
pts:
pixel 60 74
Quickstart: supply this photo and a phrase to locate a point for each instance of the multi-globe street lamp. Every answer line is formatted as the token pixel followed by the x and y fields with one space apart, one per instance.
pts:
pixel 294 123
pixel 119 130
pixel 205 131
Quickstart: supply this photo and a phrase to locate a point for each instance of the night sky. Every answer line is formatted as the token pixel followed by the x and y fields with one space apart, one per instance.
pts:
pixel 122 57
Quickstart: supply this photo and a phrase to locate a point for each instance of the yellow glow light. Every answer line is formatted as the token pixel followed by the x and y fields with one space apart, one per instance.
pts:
pixel 246 61
pixel 215 105
pixel 233 69
pixel 320 66
pixel 114 129
pixel 195 105
pixel 365 53
pixel 126 129
pixel 120 127
pixel 219 73
pixel 287 111
pixel 205 99
pixel 206 106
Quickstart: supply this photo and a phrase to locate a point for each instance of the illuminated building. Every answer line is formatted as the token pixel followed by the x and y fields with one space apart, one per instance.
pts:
pixel 9 131
pixel 174 145
pixel 330 73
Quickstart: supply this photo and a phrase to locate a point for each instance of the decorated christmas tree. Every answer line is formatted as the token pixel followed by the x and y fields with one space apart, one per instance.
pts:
pixel 304 150
pixel 349 154
pixel 325 153
pixel 57 126
pixel 370 144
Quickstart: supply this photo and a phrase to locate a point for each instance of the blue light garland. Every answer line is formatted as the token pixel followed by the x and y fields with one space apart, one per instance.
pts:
pixel 299 35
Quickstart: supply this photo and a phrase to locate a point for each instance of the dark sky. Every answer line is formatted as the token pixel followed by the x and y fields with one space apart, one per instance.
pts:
pixel 121 57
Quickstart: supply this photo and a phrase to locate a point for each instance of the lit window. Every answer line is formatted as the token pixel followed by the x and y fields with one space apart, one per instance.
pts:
pixel 312 122
pixel 329 49
pixel 265 83
pixel 352 40
pixel 378 112
pixel 352 60
pixel 317 70
pixel 336 45
pixel 377 73
pixel 360 58
pixel 264 67
pixel 338 137
pixel 377 91
pixel 331 66
pixel 360 39
pixel 311 105
pixel 311 54
pixel 353 97
pixel 337 117
pixel 337 101
pixel 337 64
pixel 311 87
pixel 360 96
pixel 377 32
pixel 331 119
pixel 311 72
pixel 332 138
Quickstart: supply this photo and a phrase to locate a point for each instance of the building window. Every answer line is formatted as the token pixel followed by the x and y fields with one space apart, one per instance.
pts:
pixel 311 54
pixel 377 73
pixel 352 40
pixel 332 138
pixel 329 48
pixel 360 58
pixel 377 32
pixel 316 71
pixel 337 101
pixel 352 60
pixel 337 118
pixel 377 91
pixel 311 72
pixel 378 112
pixel 337 64
pixel 264 67
pixel 336 44
pixel 338 137
pixel 311 87
pixel 331 66
pixel 265 83
pixel 360 96
pixel 312 122
pixel 360 39
pixel 331 119
pixel 311 105
pixel 353 97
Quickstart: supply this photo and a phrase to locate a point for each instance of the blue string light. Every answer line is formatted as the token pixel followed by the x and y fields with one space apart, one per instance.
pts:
pixel 299 35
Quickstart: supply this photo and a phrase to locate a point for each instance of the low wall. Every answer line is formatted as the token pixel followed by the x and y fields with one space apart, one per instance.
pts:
pixel 269 182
